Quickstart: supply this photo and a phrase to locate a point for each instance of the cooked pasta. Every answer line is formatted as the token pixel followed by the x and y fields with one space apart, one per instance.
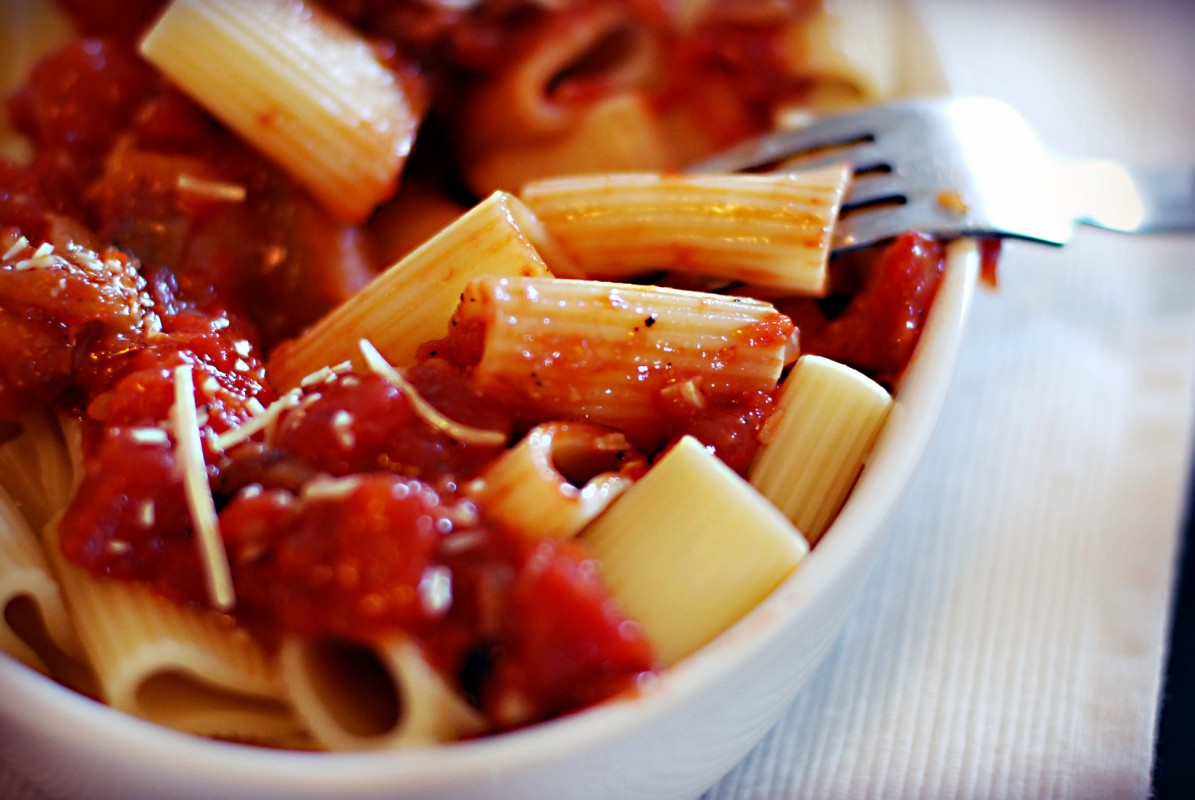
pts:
pixel 622 132
pixel 186 668
pixel 847 49
pixel 558 478
pixel 596 351
pixel 827 420
pixel 417 213
pixel 526 98
pixel 384 696
pixel 687 13
pixel 35 29
pixel 34 626
pixel 770 231
pixel 691 548
pixel 497 237
pixel 36 469
pixel 298 84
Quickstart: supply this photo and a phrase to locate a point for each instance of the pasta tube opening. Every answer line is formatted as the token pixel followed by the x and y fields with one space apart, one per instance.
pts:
pixel 373 697
pixel 183 700
pixel 622 132
pixel 183 667
pixel 355 688
pixel 34 624
pixel 563 62
pixel 30 636
pixel 558 478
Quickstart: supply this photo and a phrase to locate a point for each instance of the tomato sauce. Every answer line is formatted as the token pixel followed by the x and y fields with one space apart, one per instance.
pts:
pixel 877 325
pixel 359 424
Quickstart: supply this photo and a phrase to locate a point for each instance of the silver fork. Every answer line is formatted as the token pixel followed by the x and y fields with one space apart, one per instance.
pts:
pixel 968 167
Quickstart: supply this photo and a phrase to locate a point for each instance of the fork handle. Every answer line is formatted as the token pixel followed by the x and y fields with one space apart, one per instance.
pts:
pixel 1134 199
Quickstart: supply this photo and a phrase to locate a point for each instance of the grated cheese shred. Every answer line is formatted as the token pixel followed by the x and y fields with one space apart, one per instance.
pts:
pixel 426 411
pixel 20 244
pixel 216 190
pixel 328 487
pixel 189 449
pixel 261 420
pixel 150 436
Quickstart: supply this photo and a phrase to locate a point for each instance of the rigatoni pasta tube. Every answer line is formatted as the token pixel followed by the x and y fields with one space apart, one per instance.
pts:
pixel 36 469
pixel 377 697
pixel 602 352
pixel 691 548
pixel 34 626
pixel 826 421
pixel 771 231
pixel 846 50
pixel 557 478
pixel 528 96
pixel 414 300
pixel 298 84
pixel 186 668
pixel 621 132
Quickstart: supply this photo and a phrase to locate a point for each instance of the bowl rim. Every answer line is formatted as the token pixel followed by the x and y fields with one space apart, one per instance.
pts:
pixel 90 726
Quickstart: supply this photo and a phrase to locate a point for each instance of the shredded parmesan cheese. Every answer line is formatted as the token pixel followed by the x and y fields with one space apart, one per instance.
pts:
pixel 426 411
pixel 189 450
pixel 150 436
pixel 325 374
pixel 148 514
pixel 216 190
pixel 257 423
pixel 118 547
pixel 342 425
pixel 42 258
pixel 330 488
pixel 688 392
pixel 20 244
pixel 457 543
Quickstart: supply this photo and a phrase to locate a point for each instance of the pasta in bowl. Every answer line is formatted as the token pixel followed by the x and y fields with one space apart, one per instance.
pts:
pixel 528 494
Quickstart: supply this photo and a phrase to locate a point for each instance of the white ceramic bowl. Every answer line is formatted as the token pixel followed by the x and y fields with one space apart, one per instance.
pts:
pixel 674 739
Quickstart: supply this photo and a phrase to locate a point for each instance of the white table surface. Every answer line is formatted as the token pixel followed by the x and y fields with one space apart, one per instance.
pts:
pixel 1012 642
